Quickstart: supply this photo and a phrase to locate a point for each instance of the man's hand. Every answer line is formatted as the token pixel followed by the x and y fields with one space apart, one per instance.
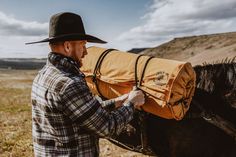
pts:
pixel 137 98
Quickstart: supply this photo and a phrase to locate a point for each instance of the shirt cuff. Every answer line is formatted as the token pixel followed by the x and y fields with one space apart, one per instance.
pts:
pixel 109 104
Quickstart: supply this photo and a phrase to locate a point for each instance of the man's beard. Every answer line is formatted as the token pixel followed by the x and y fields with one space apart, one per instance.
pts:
pixel 80 64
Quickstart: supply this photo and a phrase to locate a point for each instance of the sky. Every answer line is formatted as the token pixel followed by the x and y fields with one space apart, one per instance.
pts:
pixel 124 24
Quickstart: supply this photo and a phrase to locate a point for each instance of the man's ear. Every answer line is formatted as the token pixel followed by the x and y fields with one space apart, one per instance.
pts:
pixel 67 46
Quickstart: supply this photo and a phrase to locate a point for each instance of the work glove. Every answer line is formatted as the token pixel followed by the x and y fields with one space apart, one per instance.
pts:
pixel 120 100
pixel 136 97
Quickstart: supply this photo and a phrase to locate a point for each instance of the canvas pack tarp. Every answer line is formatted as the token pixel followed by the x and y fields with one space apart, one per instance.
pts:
pixel 169 85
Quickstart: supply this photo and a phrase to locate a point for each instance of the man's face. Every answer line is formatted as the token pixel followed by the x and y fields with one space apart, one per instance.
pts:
pixel 78 49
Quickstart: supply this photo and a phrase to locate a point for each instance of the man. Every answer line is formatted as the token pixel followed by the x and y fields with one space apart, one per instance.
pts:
pixel 67 118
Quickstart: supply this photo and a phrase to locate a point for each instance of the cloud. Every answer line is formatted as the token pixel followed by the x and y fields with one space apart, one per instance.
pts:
pixel 213 10
pixel 167 19
pixel 9 26
pixel 14 47
pixel 14 33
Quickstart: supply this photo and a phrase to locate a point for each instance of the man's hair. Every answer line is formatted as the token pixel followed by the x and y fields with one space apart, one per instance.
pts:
pixel 54 45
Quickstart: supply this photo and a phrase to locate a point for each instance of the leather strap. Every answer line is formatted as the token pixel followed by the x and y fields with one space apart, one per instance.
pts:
pixel 97 69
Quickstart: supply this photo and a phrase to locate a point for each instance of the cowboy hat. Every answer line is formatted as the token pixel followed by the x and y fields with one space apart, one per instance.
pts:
pixel 67 26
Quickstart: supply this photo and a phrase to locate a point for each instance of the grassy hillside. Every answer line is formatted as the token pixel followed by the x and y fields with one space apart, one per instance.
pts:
pixel 197 49
pixel 15 113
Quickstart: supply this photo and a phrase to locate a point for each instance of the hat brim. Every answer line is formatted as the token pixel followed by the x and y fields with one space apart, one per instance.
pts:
pixel 70 37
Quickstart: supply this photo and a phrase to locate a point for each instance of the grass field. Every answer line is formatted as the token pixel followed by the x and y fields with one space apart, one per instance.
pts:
pixel 15 118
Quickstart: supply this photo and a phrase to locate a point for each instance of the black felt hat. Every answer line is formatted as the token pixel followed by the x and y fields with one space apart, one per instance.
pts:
pixel 65 27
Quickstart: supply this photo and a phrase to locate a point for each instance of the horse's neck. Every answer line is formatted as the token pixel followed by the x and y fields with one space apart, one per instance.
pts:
pixel 213 82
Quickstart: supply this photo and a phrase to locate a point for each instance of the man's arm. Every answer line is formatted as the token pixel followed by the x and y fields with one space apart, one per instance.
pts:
pixel 112 104
pixel 84 109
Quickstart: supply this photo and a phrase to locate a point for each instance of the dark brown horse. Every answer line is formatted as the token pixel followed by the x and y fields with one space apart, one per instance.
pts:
pixel 208 129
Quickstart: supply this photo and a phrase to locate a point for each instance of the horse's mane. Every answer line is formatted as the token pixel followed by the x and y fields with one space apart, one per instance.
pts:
pixel 223 61
pixel 212 75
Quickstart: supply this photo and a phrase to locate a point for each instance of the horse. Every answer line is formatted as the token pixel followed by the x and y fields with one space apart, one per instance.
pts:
pixel 208 128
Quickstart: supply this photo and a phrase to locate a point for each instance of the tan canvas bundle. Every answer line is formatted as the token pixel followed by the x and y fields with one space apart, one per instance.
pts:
pixel 169 85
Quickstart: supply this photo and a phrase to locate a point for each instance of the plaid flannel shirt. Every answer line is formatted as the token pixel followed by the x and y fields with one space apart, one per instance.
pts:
pixel 67 120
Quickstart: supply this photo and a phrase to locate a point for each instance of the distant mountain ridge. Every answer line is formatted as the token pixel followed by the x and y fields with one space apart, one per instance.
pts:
pixel 22 63
pixel 137 50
